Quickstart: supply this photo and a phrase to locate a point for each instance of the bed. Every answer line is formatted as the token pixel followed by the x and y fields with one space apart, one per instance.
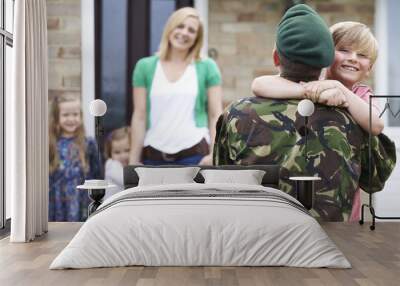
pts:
pixel 201 224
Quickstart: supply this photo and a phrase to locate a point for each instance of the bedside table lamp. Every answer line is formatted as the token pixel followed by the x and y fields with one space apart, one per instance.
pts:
pixel 305 108
pixel 96 188
pixel 305 184
pixel 98 108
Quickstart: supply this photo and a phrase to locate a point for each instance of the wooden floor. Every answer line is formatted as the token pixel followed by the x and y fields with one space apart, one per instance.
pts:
pixel 374 255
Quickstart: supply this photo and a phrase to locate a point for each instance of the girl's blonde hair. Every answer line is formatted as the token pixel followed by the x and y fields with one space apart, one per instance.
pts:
pixel 174 21
pixel 55 132
pixel 357 36
pixel 117 134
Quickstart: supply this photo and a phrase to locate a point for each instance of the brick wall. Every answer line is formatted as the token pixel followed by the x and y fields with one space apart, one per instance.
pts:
pixel 64 43
pixel 243 34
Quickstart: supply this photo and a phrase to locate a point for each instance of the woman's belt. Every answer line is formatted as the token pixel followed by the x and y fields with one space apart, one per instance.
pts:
pixel 150 153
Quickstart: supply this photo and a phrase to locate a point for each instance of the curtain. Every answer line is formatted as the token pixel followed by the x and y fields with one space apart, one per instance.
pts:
pixel 27 123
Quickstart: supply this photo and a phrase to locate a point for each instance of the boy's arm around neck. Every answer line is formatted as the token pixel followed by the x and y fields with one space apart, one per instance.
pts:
pixel 274 86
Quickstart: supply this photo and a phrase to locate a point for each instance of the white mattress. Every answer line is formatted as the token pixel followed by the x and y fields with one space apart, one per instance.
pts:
pixel 183 231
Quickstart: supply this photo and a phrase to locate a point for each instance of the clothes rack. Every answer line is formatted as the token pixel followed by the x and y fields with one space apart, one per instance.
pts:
pixel 370 204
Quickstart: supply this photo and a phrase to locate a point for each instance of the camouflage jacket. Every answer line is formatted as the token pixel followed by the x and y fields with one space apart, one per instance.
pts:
pixel 264 131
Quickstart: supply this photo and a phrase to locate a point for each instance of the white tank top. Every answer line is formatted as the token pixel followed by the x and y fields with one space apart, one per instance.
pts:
pixel 173 127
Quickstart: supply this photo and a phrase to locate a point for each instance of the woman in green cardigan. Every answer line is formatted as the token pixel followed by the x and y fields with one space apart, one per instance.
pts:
pixel 177 98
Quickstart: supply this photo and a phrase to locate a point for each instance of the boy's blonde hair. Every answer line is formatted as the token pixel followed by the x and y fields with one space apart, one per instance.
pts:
pixel 55 132
pixel 117 134
pixel 357 36
pixel 174 21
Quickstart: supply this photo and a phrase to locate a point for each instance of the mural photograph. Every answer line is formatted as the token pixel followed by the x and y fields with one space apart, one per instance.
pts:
pixel 164 95
pixel 199 142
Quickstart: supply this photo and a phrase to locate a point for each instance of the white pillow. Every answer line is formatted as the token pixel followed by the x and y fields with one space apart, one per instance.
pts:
pixel 248 177
pixel 163 176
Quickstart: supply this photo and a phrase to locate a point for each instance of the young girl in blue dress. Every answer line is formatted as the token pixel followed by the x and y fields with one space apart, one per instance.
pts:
pixel 72 157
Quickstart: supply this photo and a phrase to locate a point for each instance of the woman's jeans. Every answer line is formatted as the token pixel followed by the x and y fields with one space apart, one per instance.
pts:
pixel 192 160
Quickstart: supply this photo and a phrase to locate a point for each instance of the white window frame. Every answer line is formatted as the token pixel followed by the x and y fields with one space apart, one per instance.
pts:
pixel 87 63
pixel 6 39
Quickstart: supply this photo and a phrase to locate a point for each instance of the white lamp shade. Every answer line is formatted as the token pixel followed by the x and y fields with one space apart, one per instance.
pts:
pixel 305 107
pixel 97 107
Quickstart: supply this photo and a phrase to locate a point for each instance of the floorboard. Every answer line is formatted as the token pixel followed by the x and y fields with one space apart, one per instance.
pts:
pixel 374 255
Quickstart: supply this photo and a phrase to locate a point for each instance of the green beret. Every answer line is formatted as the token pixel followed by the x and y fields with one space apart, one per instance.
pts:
pixel 303 37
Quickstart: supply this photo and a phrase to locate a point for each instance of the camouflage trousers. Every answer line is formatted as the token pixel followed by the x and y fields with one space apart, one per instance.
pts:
pixel 264 131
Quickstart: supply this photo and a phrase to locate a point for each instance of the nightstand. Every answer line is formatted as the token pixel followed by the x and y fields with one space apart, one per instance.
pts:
pixel 96 190
pixel 305 189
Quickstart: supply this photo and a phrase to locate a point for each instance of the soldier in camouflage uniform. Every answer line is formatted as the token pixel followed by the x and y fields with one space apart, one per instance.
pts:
pixel 264 131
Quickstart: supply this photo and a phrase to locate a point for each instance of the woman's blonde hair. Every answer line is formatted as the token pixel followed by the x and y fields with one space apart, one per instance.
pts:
pixel 174 21
pixel 55 132
pixel 357 36
pixel 117 134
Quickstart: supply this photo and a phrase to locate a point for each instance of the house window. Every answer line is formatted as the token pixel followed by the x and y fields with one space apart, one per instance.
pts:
pixel 6 44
